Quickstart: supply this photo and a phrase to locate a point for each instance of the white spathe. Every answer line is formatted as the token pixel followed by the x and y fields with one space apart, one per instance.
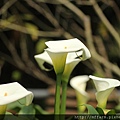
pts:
pixel 71 62
pixel 104 87
pixel 12 92
pixel 70 45
pixel 42 58
pixel 61 53
pixel 70 65
pixel 79 84
pixel 58 60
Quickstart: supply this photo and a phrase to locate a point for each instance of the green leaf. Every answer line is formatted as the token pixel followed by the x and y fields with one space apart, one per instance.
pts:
pixel 112 115
pixel 28 111
pixel 15 106
pixel 39 110
pixel 9 116
pixel 100 111
pixel 91 109
pixel 111 112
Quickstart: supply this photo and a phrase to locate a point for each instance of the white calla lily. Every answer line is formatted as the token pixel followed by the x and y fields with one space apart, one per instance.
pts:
pixel 62 55
pixel 104 87
pixel 14 92
pixel 44 57
pixel 69 66
pixel 69 45
pixel 65 55
pixel 58 51
pixel 79 84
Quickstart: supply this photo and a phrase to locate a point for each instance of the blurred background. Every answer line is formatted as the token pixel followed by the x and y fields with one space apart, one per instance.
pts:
pixel 25 26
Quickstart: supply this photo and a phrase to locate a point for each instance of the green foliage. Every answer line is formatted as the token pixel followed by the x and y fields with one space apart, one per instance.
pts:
pixel 91 109
pixel 59 20
pixel 27 110
pixel 117 108
pixel 10 116
pixel 100 111
pixel 24 112
pixel 111 112
pixel 39 110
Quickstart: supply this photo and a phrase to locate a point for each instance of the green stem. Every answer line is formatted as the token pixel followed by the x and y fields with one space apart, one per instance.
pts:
pixel 57 96
pixel 63 101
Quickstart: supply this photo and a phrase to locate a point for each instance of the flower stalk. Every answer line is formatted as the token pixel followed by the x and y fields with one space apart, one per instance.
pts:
pixel 63 100
pixel 57 95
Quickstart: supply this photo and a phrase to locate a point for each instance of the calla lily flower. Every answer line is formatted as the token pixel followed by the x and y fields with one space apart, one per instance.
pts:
pixel 104 87
pixel 71 45
pixel 79 84
pixel 12 92
pixel 58 51
pixel 62 55
pixel 65 55
pixel 70 63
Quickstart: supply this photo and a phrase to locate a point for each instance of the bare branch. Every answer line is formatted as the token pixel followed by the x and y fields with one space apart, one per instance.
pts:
pixel 44 12
pixel 114 6
pixel 17 61
pixel 6 6
pixel 7 24
pixel 95 55
pixel 108 25
pixel 88 32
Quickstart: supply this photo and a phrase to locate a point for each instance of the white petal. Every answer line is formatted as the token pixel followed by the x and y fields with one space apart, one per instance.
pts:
pixel 79 84
pixel 73 55
pixel 70 45
pixel 70 65
pixel 62 52
pixel 104 87
pixel 104 83
pixel 58 60
pixel 14 92
pixel 102 97
pixel 42 58
pixel 66 45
